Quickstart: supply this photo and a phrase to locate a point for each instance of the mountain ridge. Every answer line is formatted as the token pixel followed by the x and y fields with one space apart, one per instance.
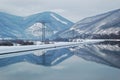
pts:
pixel 99 26
pixel 13 26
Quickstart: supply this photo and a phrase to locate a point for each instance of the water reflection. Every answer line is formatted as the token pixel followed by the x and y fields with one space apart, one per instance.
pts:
pixel 49 58
pixel 107 53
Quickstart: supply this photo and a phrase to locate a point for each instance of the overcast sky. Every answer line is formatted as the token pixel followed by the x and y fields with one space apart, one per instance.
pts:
pixel 73 10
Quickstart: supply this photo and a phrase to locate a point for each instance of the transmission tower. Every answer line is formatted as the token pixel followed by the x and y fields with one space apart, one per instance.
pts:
pixel 43 32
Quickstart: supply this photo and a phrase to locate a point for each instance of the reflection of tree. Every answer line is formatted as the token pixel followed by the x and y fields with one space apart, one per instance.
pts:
pixel 107 53
pixel 100 53
pixel 111 43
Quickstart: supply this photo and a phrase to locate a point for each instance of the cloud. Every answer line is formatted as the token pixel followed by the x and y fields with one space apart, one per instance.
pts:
pixel 72 9
pixel 58 10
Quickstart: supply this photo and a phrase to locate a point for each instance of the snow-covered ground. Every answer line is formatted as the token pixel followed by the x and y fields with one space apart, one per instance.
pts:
pixel 8 50
pixel 58 19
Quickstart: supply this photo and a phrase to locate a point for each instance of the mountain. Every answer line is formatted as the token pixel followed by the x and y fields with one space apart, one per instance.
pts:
pixel 10 25
pixel 106 25
pixel 28 27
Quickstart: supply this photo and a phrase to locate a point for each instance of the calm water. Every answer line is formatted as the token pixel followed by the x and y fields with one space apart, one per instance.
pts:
pixel 99 61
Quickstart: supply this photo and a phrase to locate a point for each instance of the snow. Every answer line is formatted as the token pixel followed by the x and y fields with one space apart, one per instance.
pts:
pixel 37 42
pixel 35 29
pixel 109 31
pixel 72 28
pixel 65 55
pixel 103 24
pixel 16 26
pixel 39 52
pixel 55 32
pixel 95 30
pixel 58 19
pixel 7 49
pixel 109 47
pixel 31 48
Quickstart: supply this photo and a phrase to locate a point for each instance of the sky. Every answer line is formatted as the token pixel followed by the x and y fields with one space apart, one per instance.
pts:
pixel 74 10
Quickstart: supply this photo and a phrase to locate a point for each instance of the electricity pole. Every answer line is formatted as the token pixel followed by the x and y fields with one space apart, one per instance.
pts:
pixel 43 32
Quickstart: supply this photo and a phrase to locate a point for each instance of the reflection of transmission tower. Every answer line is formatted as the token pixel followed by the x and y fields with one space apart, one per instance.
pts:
pixel 43 32
pixel 73 34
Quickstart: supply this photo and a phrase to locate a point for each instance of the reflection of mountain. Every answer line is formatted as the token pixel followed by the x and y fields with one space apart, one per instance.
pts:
pixel 108 54
pixel 50 58
pixel 27 27
pixel 105 25
pixel 101 53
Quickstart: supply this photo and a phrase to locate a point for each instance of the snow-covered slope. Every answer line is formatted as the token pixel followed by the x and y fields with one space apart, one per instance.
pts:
pixel 28 27
pixel 10 25
pixel 103 24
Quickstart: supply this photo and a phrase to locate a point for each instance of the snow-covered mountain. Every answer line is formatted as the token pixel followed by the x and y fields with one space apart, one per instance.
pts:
pixel 12 26
pixel 105 25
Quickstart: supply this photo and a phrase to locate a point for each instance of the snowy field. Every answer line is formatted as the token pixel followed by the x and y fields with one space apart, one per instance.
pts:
pixel 8 50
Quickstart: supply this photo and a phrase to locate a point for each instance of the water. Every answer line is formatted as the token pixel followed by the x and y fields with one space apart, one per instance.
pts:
pixel 100 61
